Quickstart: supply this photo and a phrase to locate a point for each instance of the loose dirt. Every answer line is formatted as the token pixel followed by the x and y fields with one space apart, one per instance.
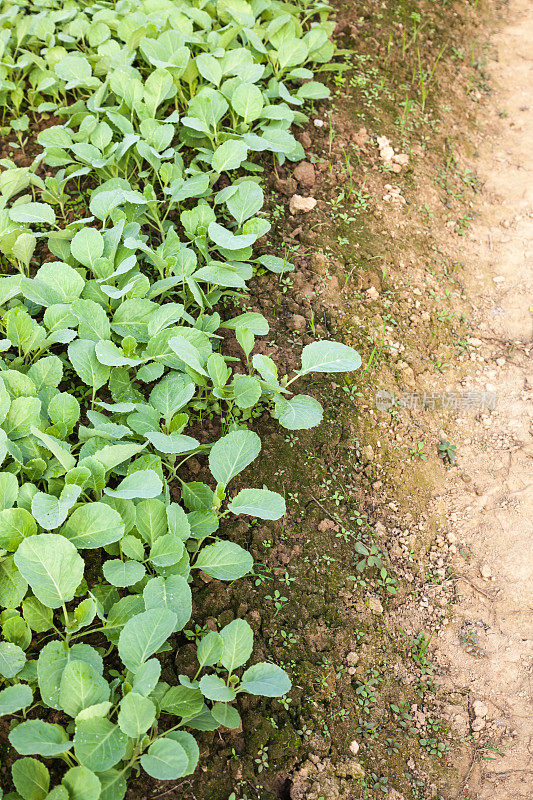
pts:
pixel 488 648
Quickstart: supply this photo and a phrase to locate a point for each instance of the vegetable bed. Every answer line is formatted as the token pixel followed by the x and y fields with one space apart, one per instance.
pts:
pixel 111 367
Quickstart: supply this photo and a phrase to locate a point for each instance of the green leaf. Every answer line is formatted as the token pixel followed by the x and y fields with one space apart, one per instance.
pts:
pixel 246 201
pixel 144 483
pixel 35 737
pixel 247 100
pixel 265 679
pixel 214 688
pixel 226 561
pixel 329 357
pixel 93 525
pixel 260 503
pixel 12 659
pixel 188 742
pixel 82 356
pixel 50 511
pixel 173 593
pixel 228 240
pixel 298 413
pixel 226 715
pixel 232 453
pixel 238 639
pixel 30 778
pixel 99 744
pixel 136 715
pixel 182 701
pixel 113 784
pixel 13 587
pixel 247 391
pixel 229 155
pixel 165 760
pixel 38 616
pixel 187 352
pixel 123 573
pixel 82 784
pixel 15 698
pixel 173 444
pixel 80 687
pixel 172 393
pixel 166 550
pixel 52 567
pixel 143 635
pixel 210 649
pixel 28 213
pixel 87 245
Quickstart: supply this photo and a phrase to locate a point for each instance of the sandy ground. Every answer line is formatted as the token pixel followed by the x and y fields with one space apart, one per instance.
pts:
pixel 488 648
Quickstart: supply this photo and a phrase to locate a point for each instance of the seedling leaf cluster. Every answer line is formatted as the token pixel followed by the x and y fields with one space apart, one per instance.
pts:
pixel 111 361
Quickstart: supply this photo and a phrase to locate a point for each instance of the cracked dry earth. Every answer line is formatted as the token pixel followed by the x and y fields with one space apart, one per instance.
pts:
pixel 487 651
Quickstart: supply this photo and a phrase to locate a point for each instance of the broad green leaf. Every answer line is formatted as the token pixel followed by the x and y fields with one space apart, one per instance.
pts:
pixel 298 412
pixel 93 525
pixel 30 778
pixel 329 357
pixel 146 677
pixel 80 687
pixel 13 586
pixel 12 659
pixel 260 503
pixel 246 201
pixel 52 567
pixel 174 443
pixel 214 688
pixel 123 573
pixel 87 245
pixel 226 561
pixel 238 639
pixel 188 742
pixel 226 715
pixel 136 715
pixel 247 391
pixel 143 635
pixel 210 649
pixel 38 616
pixel 232 453
pixel 50 511
pixel 141 484
pixel 165 760
pixel 229 155
pixel 173 593
pixel 183 701
pixel 113 784
pixel 35 737
pixel 99 744
pixel 247 100
pixel 28 213
pixel 166 550
pixel 82 784
pixel 15 698
pixel 172 393
pixel 82 356
pixel 265 679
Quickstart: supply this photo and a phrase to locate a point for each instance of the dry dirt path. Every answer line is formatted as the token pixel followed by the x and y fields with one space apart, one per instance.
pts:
pixel 488 649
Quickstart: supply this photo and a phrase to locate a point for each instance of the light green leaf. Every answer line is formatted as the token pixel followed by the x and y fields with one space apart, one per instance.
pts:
pixel 210 649
pixel 265 679
pixel 173 593
pixel 136 715
pixel 299 412
pixel 80 687
pixel 165 760
pixel 232 453
pixel 30 778
pixel 99 744
pixel 123 573
pixel 82 784
pixel 214 688
pixel 144 483
pixel 226 561
pixel 35 737
pixel 87 245
pixel 93 525
pixel 260 503
pixel 226 715
pixel 143 635
pixel 15 698
pixel 82 356
pixel 52 567
pixel 28 213
pixel 238 639
pixel 329 357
